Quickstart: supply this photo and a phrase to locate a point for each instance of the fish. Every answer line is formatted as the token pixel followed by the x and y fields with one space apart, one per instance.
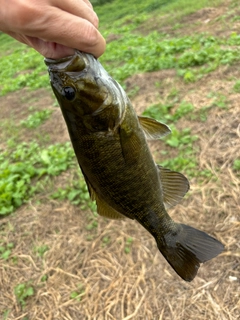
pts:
pixel 111 145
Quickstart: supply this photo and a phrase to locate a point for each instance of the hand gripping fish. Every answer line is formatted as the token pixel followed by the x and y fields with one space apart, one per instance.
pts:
pixel 110 142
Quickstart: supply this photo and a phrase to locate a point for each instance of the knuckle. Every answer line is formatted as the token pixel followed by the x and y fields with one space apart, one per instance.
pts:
pixel 95 20
pixel 92 35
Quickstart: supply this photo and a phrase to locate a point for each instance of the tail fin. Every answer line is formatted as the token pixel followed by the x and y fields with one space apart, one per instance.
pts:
pixel 186 248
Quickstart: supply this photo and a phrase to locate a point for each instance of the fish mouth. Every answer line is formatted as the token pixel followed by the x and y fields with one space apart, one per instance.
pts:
pixel 74 63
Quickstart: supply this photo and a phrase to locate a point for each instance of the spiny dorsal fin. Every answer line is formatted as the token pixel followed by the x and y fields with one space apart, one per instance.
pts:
pixel 153 129
pixel 175 185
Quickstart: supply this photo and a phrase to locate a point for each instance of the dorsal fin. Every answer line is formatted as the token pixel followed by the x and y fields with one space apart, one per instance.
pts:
pixel 153 129
pixel 174 184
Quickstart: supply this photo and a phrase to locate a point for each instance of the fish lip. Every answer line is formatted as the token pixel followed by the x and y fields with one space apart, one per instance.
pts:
pixel 49 61
pixel 75 63
pixel 59 64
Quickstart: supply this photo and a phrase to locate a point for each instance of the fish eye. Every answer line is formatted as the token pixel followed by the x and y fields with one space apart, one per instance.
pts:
pixel 69 93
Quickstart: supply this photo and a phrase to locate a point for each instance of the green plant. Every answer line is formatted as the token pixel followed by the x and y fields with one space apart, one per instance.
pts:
pixel 12 66
pixel 6 250
pixel 105 241
pixel 164 113
pixel 78 293
pixel 221 101
pixel 22 291
pixel 40 250
pixel 182 163
pixel 44 278
pixel 128 245
pixel 92 225
pixel 36 119
pixel 5 314
pixel 131 93
pixel 183 110
pixel 236 164
pixel 28 161
pixel 236 86
pixel 180 139
pixel 161 112
pixel 76 192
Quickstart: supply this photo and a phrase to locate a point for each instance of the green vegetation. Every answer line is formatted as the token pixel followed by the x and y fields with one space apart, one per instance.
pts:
pixel 44 278
pixel 106 241
pixel 128 245
pixel 22 168
pixel 36 119
pixel 236 87
pixel 134 10
pixel 236 165
pixel 92 225
pixel 6 250
pixel 76 192
pixel 165 113
pixel 191 56
pixel 23 67
pixel 22 291
pixel 5 314
pixel 40 250
pixel 78 293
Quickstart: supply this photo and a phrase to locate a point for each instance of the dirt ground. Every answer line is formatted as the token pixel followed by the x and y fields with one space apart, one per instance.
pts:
pixel 111 283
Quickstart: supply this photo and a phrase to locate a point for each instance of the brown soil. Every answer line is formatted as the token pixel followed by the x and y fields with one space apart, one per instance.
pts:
pixel 139 285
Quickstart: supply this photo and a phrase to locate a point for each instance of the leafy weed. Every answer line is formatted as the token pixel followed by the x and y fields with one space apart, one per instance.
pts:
pixel 36 119
pixel 22 292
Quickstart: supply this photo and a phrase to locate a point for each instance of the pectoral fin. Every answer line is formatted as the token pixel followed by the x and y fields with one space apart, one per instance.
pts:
pixel 153 129
pixel 130 145
pixel 174 184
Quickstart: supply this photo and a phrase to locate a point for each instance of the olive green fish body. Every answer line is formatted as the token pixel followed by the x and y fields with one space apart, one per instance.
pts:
pixel 110 142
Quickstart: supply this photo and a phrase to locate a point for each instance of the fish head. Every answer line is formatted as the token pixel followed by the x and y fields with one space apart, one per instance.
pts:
pixel 76 80
pixel 83 87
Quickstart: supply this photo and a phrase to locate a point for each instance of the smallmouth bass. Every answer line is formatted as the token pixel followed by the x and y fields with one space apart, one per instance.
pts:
pixel 110 142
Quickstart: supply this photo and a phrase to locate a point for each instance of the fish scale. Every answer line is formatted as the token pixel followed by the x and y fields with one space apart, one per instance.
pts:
pixel 110 143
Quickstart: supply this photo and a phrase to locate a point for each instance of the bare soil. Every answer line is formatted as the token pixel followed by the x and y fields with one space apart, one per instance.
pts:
pixel 140 284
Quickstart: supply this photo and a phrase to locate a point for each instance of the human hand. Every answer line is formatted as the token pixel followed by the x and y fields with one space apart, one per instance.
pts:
pixel 53 27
